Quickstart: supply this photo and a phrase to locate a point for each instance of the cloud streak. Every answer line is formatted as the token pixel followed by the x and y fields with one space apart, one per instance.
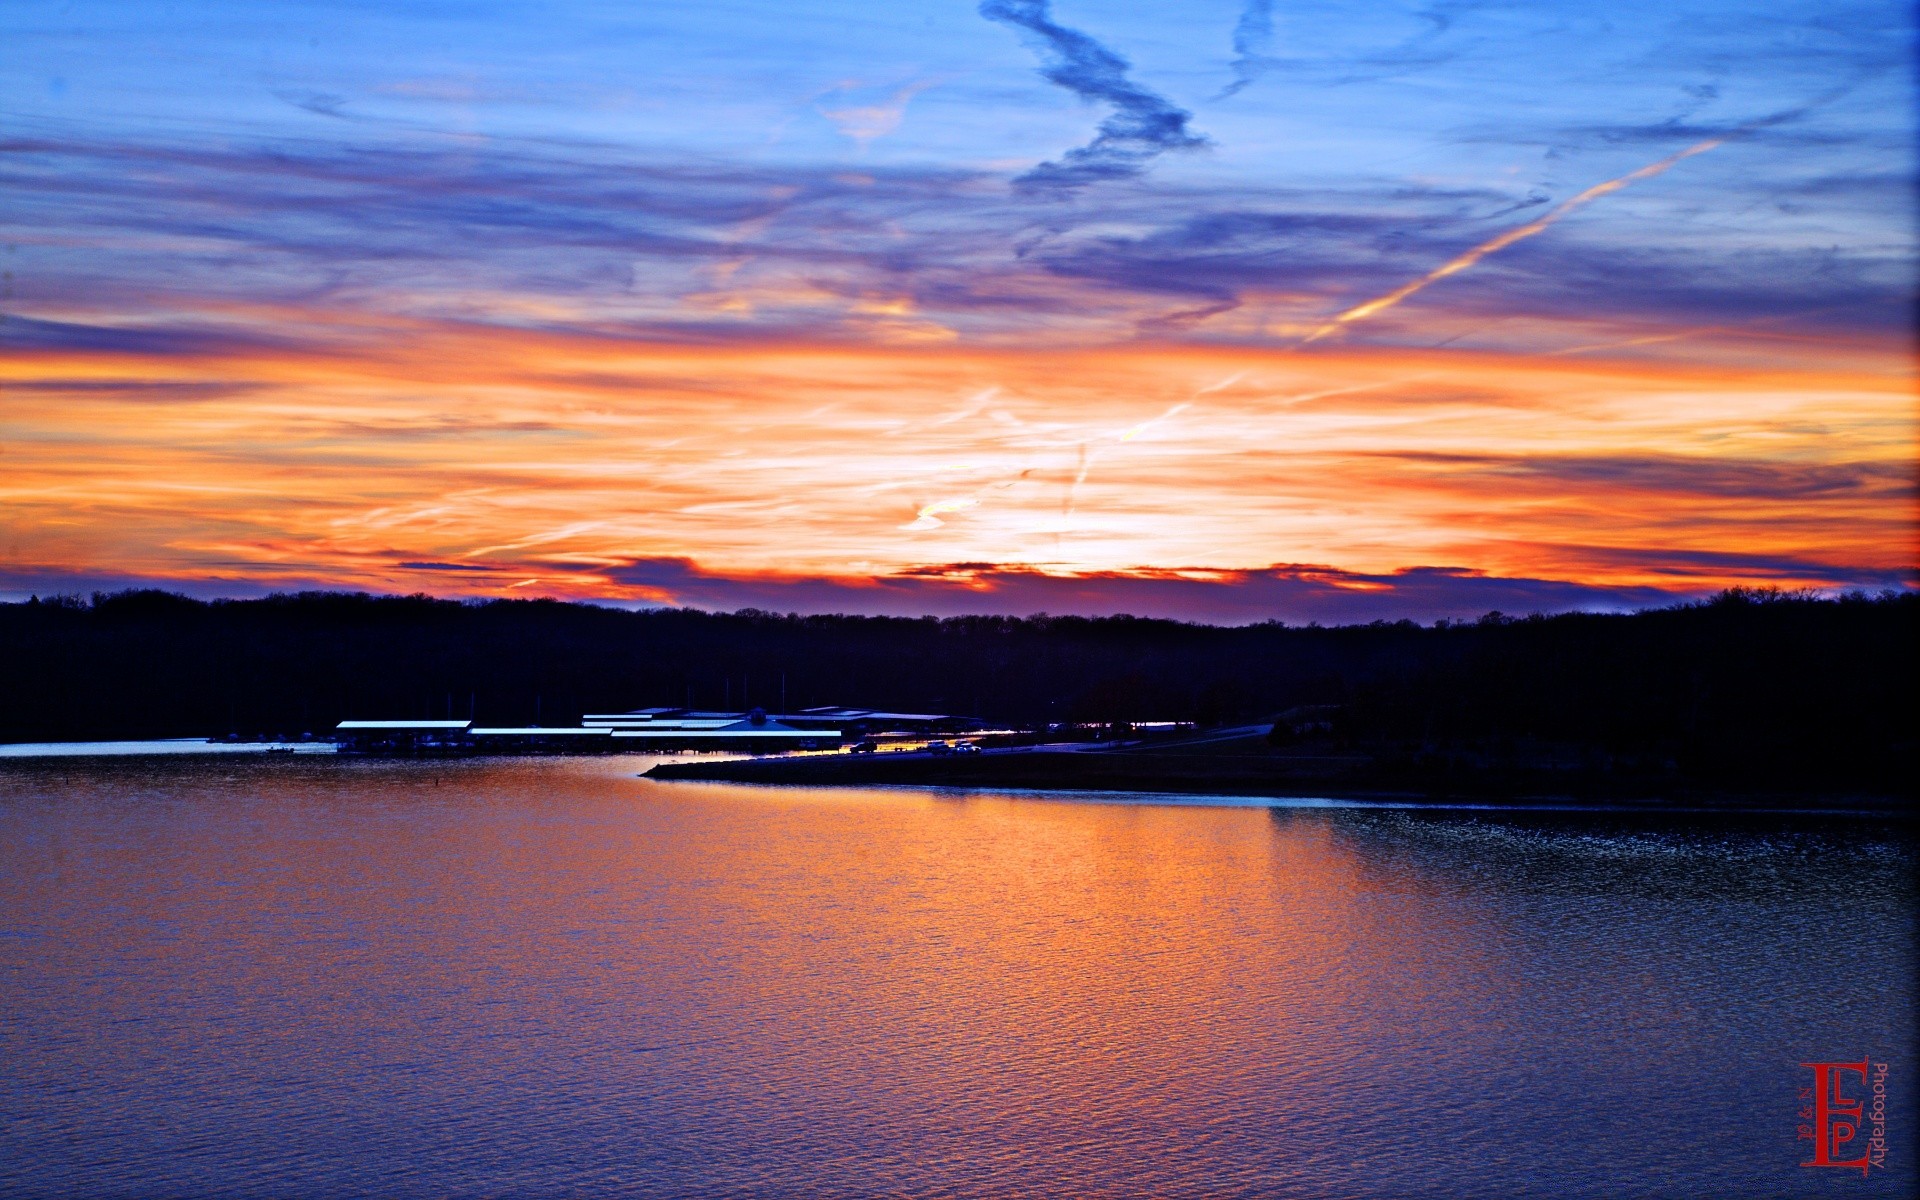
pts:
pixel 1252 46
pixel 864 122
pixel 1290 592
pixel 528 233
pixel 384 446
pixel 1141 126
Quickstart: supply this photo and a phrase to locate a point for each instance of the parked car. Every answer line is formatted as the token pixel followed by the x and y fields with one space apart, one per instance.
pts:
pixel 966 748
pixel 939 748
pixel 863 747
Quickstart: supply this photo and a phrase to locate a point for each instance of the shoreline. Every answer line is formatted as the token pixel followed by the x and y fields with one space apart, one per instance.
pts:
pixel 1527 805
pixel 1100 774
pixel 154 748
pixel 1333 781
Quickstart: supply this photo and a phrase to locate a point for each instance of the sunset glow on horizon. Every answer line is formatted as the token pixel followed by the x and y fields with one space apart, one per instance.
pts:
pixel 480 330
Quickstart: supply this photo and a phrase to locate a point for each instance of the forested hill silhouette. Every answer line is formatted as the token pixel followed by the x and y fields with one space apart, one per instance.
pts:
pixel 1786 688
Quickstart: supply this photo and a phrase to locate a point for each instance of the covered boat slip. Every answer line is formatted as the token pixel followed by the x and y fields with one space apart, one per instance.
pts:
pixel 743 733
pixel 684 729
pixel 838 721
pixel 645 730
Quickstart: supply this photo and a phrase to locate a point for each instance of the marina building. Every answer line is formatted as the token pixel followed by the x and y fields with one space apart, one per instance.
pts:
pixel 643 730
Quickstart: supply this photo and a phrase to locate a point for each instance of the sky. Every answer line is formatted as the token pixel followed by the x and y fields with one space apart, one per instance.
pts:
pixel 1232 310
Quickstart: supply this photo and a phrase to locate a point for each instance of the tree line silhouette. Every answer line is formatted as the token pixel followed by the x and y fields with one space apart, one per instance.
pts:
pixel 1785 690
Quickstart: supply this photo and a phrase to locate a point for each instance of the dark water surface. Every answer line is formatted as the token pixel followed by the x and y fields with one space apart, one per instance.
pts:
pixel 549 978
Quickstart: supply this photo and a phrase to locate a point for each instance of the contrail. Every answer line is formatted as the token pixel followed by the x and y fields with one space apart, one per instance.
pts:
pixel 1143 426
pixel 1126 435
pixel 1362 311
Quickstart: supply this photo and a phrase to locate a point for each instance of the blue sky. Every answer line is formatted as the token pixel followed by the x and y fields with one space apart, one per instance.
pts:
pixel 1387 133
pixel 1339 89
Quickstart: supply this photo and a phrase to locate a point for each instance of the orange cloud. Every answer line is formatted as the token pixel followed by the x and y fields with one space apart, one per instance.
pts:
pixel 358 449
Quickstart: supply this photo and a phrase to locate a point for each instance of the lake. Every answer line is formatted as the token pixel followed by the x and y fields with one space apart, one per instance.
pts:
pixel 547 977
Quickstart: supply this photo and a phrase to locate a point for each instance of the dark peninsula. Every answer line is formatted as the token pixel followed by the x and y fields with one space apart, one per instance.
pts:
pixel 1246 762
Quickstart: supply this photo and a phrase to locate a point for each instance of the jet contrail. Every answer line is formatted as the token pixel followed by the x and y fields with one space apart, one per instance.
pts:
pixel 1362 311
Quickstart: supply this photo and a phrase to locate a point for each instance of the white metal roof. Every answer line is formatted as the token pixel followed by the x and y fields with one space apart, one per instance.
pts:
pixel 533 731
pixel 869 714
pixel 744 733
pixel 403 725
pixel 666 723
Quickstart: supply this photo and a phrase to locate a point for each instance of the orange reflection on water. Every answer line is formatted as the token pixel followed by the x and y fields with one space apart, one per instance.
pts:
pixel 516 977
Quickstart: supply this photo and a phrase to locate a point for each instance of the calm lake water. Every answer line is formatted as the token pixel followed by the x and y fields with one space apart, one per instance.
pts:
pixel 549 978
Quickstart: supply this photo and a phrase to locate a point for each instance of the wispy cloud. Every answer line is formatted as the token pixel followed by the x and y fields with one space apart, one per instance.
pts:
pixel 1142 125
pixel 1252 46
pixel 865 122
pixel 1291 592
pixel 1295 593
pixel 320 104
pixel 578 236
pixel 388 441
pixel 1680 477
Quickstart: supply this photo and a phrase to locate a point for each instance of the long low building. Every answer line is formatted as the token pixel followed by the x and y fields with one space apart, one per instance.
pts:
pixel 464 737
pixel 631 732
pixel 686 729
pixel 538 739
pixel 402 737
pixel 645 729
pixel 842 721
